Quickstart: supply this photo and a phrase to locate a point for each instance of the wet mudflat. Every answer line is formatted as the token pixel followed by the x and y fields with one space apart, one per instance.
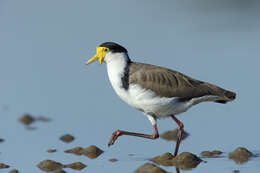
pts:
pixel 66 153
pixel 51 146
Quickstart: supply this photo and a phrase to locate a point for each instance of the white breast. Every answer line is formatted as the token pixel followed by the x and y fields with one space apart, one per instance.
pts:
pixel 152 104
pixel 116 63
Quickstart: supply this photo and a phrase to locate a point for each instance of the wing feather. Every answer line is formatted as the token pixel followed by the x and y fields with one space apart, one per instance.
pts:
pixel 169 83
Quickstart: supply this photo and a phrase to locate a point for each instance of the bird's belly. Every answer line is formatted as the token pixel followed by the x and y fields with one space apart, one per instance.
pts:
pixel 149 103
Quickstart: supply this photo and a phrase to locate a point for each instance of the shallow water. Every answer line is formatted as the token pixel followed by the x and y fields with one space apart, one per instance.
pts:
pixel 23 148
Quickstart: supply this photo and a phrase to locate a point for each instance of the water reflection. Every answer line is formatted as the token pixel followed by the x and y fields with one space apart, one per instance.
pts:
pixel 172 135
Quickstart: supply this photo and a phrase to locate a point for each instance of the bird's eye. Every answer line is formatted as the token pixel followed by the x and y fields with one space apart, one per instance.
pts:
pixel 106 50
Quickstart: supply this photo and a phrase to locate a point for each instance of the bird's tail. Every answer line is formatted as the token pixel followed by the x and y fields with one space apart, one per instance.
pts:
pixel 230 95
pixel 227 97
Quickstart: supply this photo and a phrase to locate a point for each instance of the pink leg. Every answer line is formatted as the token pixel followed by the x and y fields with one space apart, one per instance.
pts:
pixel 180 131
pixel 118 133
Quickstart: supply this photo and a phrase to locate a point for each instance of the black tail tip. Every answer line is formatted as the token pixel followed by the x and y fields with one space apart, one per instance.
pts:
pixel 230 95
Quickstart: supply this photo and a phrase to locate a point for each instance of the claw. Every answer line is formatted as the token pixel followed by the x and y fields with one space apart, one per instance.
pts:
pixel 110 143
pixel 114 137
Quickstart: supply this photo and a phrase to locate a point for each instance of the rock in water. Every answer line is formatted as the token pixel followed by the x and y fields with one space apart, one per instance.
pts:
pixel 3 166
pixel 14 171
pixel 187 160
pixel 217 152
pixel 51 150
pixel 240 155
pixel 67 138
pixel 183 161
pixel 76 166
pixel 149 168
pixel 91 152
pixel 206 153
pixel 213 153
pixel 27 119
pixel 77 151
pixel 113 160
pixel 49 165
pixel 166 159
pixel 59 171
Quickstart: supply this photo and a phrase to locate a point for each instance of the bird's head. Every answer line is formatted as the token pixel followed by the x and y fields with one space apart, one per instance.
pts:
pixel 105 49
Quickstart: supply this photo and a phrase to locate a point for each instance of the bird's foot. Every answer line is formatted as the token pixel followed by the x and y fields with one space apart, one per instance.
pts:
pixel 114 137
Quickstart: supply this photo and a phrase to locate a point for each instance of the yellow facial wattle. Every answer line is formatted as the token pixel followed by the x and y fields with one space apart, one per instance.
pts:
pixel 100 55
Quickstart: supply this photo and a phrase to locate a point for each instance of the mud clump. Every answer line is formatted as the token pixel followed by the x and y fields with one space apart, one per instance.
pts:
pixel 172 135
pixel 217 152
pixel 49 166
pixel 149 168
pixel 183 161
pixel 76 166
pixel 67 138
pixel 27 119
pixel 166 159
pixel 51 150
pixel 56 167
pixel 59 171
pixel 240 155
pixel 187 160
pixel 77 151
pixel 206 153
pixel 3 166
pixel 113 160
pixel 91 152
pixel 213 153
pixel 14 171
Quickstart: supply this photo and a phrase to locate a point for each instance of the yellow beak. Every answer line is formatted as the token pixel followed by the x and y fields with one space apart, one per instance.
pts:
pixel 100 55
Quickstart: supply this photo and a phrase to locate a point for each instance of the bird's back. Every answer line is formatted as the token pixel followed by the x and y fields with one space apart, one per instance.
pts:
pixel 169 83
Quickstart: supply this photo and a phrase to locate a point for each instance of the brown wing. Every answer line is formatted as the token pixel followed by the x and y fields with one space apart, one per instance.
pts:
pixel 169 83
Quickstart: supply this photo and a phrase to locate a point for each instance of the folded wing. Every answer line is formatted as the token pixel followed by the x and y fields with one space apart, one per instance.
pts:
pixel 169 83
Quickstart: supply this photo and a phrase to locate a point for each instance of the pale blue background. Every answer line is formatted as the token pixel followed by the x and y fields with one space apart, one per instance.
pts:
pixel 43 47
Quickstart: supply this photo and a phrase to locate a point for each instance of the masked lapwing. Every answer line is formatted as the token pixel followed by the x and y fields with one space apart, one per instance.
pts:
pixel 156 91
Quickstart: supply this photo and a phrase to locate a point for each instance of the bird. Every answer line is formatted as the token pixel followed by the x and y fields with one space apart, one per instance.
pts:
pixel 156 91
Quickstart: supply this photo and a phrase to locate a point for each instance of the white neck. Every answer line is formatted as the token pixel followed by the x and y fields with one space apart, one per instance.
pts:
pixel 116 58
pixel 116 63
